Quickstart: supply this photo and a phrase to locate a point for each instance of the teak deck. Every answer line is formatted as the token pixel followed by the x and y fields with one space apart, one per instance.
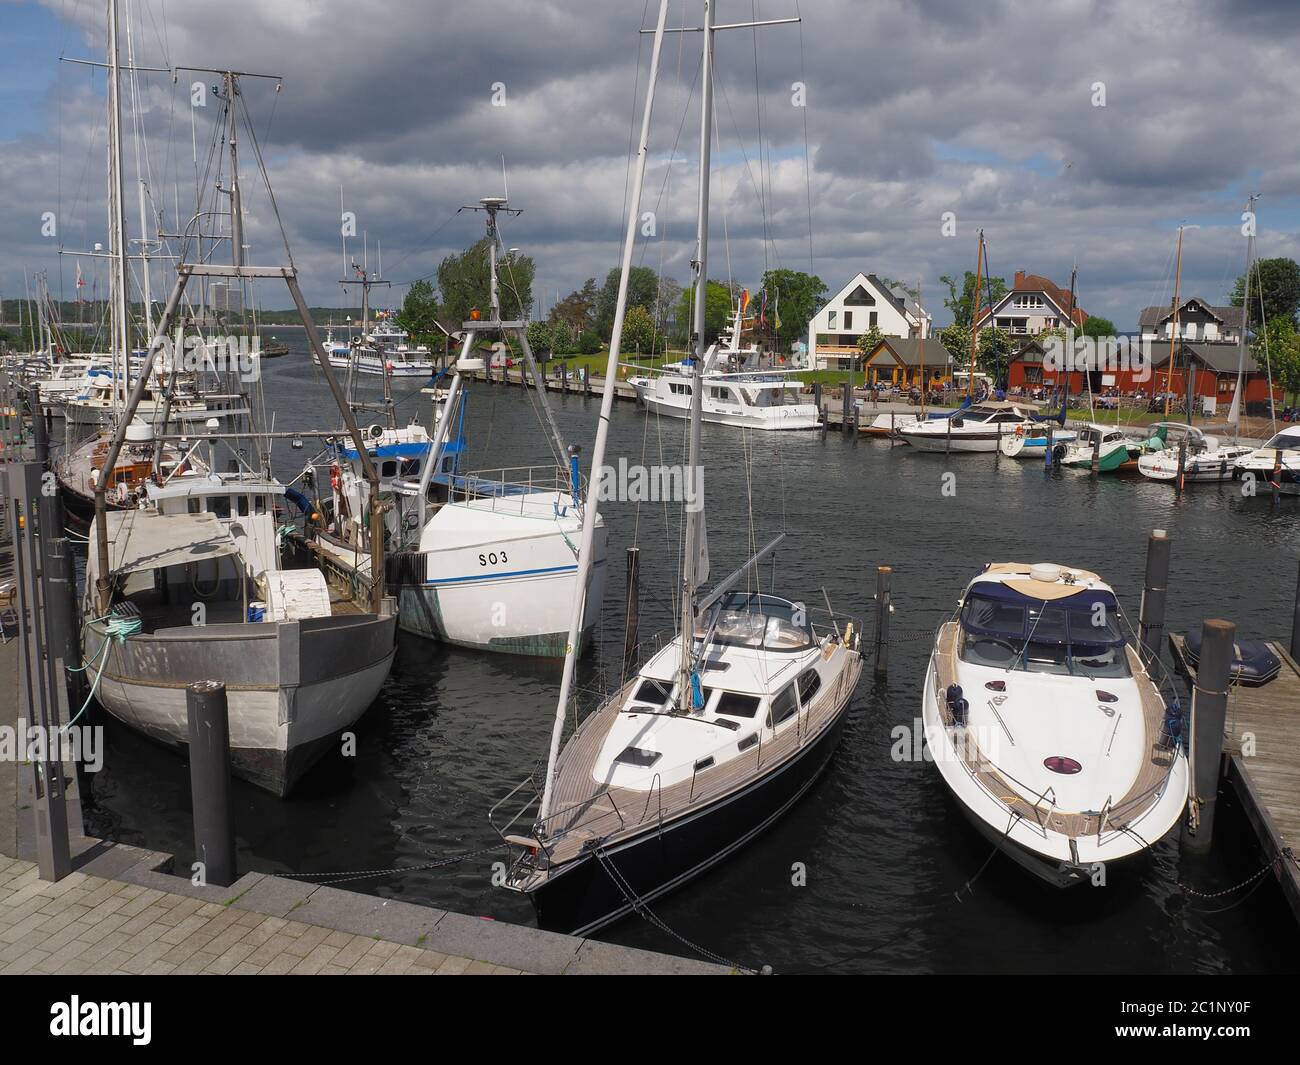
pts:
pixel 586 811
pixel 1074 824
pixel 1267 780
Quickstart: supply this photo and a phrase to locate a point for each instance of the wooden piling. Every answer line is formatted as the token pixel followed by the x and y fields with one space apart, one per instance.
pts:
pixel 212 799
pixel 883 574
pixel 1155 589
pixel 1209 713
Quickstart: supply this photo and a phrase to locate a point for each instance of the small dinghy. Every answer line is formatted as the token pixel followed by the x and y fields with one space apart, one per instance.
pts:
pixel 1253 663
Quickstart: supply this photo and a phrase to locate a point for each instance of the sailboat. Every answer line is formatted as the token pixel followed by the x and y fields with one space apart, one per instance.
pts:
pixel 487 559
pixel 1047 728
pixel 718 734
pixel 190 583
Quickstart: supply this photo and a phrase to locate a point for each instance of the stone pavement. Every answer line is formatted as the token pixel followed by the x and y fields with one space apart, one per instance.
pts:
pixel 89 925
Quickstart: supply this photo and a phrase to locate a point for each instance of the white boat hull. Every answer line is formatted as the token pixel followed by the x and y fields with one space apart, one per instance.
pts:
pixel 789 416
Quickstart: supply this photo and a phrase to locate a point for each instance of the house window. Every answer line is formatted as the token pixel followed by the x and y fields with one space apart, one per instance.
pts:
pixel 848 319
pixel 830 318
pixel 872 319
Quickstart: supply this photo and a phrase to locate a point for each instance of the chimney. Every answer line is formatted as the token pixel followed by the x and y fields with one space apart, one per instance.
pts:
pixel 1020 279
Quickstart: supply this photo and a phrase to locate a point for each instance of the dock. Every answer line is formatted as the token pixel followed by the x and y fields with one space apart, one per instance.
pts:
pixel 1265 775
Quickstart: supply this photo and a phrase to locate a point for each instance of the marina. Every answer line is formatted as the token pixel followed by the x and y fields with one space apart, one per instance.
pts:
pixel 708 621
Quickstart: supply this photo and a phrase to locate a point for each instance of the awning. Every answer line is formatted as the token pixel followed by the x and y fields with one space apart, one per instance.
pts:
pixel 144 539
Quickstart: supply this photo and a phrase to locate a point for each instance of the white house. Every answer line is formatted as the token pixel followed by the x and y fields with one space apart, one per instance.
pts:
pixel 1197 320
pixel 865 301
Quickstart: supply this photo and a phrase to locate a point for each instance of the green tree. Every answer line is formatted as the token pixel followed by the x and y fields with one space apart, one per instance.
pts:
pixel 795 297
pixel 962 306
pixel 956 338
pixel 717 309
pixel 867 341
pixel 1278 282
pixel 1279 343
pixel 577 310
pixel 638 331
pixel 563 339
pixel 993 354
pixel 541 338
pixel 589 342
pixel 1093 326
pixel 465 283
pixel 419 314
pixel 642 291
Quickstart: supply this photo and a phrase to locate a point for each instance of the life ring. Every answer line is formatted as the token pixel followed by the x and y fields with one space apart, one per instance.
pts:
pixel 1020 430
pixel 336 477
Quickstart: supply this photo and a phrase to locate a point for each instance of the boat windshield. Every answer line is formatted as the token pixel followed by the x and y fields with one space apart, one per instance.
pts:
pixel 1286 440
pixel 1041 637
pixel 759 621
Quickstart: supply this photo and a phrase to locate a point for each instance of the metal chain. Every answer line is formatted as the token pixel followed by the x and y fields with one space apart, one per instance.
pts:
pixel 1273 864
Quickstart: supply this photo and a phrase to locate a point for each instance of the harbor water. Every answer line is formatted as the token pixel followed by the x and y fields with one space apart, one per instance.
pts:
pixel 876 868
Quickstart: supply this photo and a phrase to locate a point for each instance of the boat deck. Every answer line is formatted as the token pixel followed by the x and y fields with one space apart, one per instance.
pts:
pixel 586 811
pixel 1268 778
pixel 1114 817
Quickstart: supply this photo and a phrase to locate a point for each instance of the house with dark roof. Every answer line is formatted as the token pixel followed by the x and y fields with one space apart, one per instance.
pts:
pixel 1197 321
pixel 864 302
pixel 908 361
pixel 1032 304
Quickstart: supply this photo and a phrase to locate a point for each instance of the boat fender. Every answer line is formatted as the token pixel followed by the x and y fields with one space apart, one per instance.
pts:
pixel 1058 453
pixel 298 499
pixel 957 704
pixel 1173 731
pixel 336 477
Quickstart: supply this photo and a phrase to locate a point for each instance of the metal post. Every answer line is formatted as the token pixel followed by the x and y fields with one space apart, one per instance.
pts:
pixel 61 622
pixel 564 377
pixel 632 623
pixel 213 802
pixel 1182 465
pixel 846 400
pixel 1209 712
pixel 40 429
pixel 37 676
pixel 1047 448
pixel 1155 589
pixel 883 574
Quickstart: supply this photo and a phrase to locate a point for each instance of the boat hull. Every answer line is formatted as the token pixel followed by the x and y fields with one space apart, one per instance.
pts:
pixel 291 687
pixel 584 895
pixel 790 417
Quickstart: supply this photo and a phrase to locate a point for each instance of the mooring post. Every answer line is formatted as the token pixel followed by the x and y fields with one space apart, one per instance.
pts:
pixel 1295 621
pixel 1182 465
pixel 1047 449
pixel 213 802
pixel 586 380
pixel 1209 712
pixel 883 574
pixel 632 623
pixel 846 400
pixel 817 395
pixel 564 377
pixel 1155 589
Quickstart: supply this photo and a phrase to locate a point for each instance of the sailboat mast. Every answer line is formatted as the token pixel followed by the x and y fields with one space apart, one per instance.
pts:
pixel 117 234
pixel 586 547
pixel 691 543
pixel 236 200
pixel 1173 332
pixel 1234 412
pixel 975 317
pixel 920 321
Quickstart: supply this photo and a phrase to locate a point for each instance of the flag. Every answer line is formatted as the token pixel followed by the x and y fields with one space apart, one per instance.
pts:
pixel 81 283
pixel 744 301
pixel 762 314
pixel 776 311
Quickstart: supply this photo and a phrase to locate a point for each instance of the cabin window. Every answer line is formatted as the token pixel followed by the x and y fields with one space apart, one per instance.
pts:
pixel 636 756
pixel 243 506
pixel 810 683
pixel 193 504
pixel 220 506
pixel 733 704
pixel 388 469
pixel 784 705
pixel 259 504
pixel 654 692
pixel 410 467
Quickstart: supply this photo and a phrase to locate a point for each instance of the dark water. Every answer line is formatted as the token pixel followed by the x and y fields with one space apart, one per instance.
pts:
pixel 885 851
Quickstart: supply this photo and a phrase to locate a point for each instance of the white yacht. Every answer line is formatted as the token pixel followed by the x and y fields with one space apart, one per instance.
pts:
pixel 1276 464
pixel 383 348
pixel 978 427
pixel 735 391
pixel 1205 458
pixel 1046 727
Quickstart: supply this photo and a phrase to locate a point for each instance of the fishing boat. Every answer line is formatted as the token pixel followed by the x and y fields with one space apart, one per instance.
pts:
pixel 978 427
pixel 736 391
pixel 1190 455
pixel 1046 727
pixel 384 348
pixel 716 736
pixel 488 558
pixel 190 583
pixel 1276 464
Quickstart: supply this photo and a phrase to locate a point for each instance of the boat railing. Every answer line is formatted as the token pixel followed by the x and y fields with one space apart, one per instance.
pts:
pixel 508 488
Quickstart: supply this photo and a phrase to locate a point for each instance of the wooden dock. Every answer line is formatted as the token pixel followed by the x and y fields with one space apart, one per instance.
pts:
pixel 1261 736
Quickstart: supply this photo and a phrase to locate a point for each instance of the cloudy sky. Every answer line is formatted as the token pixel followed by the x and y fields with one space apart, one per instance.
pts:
pixel 913 108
